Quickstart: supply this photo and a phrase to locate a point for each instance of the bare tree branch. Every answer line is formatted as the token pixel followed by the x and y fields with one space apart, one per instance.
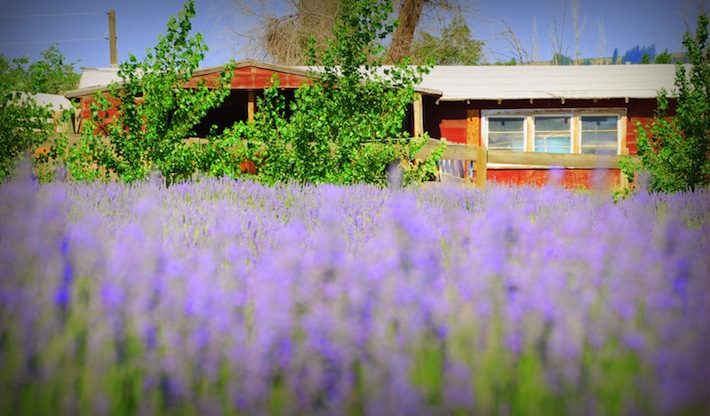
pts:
pixel 578 28
pixel 601 46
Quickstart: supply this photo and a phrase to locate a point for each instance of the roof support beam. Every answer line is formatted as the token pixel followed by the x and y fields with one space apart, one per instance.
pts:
pixel 251 105
pixel 418 110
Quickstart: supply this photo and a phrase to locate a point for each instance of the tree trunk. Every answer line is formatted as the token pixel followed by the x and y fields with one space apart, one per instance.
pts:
pixel 409 16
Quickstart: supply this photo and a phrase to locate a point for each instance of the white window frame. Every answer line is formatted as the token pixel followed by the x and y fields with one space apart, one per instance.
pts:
pixel 575 115
pixel 619 117
pixel 571 116
pixel 505 113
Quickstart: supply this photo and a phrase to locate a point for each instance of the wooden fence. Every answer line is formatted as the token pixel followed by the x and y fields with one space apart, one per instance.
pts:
pixel 481 157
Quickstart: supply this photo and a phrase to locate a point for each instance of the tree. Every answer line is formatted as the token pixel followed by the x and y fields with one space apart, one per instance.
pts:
pixel 454 47
pixel 640 55
pixel 558 37
pixel 343 128
pixel 675 151
pixel 615 56
pixel 560 59
pixel 663 58
pixel 285 38
pixel 51 74
pixel 154 111
pixel 23 123
pixel 401 45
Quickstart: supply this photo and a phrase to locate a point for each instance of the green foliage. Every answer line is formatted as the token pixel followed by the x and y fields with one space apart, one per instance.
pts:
pixel 663 58
pixel 140 124
pixel 676 151
pixel 560 59
pixel 347 125
pixel 23 123
pixel 512 62
pixel 454 47
pixel 640 55
pixel 51 74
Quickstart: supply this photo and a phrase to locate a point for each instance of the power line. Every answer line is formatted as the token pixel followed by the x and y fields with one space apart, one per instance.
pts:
pixel 51 41
pixel 15 16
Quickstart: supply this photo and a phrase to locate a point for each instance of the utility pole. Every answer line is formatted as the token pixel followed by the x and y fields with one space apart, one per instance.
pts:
pixel 113 53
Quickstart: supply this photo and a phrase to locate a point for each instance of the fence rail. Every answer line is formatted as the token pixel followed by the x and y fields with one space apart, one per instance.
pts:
pixel 482 157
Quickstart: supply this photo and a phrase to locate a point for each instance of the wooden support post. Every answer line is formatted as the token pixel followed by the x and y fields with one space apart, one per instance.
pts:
pixel 481 167
pixel 473 134
pixel 251 105
pixel 417 109
pixel 113 51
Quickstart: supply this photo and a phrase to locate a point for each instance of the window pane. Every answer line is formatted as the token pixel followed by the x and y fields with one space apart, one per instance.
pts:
pixel 506 133
pixel 552 134
pixel 591 123
pixel 600 134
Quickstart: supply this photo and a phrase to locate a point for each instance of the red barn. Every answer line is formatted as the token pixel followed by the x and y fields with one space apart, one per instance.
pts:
pixel 549 111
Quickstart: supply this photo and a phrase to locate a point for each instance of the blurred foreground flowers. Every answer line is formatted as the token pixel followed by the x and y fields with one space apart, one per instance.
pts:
pixel 226 297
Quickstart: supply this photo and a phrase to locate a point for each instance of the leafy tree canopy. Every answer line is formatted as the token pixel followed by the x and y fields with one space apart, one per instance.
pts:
pixel 140 124
pixel 675 151
pixel 560 59
pixel 23 123
pixel 50 75
pixel 454 47
pixel 344 127
pixel 640 55
pixel 663 58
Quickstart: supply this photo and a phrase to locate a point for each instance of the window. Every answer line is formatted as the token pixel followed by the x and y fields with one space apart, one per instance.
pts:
pixel 599 134
pixel 553 134
pixel 575 130
pixel 506 133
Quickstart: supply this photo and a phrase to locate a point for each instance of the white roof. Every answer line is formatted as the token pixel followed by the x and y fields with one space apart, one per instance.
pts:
pixel 98 77
pixel 54 101
pixel 460 83
pixel 492 82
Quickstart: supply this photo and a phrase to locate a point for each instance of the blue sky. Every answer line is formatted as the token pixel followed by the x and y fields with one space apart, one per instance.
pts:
pixel 81 26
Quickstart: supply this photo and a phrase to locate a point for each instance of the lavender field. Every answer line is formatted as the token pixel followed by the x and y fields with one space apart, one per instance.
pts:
pixel 228 297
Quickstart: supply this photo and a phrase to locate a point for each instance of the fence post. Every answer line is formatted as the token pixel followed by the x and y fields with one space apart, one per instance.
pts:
pixel 481 166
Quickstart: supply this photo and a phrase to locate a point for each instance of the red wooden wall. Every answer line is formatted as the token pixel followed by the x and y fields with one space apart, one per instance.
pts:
pixel 254 78
pixel 449 120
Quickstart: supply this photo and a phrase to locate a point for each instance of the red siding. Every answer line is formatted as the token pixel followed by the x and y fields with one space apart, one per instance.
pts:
pixel 641 111
pixel 569 178
pixel 245 78
pixel 252 78
pixel 453 130
pixel 448 120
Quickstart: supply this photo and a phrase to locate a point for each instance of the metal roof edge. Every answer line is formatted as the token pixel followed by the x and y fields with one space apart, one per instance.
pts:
pixel 301 71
